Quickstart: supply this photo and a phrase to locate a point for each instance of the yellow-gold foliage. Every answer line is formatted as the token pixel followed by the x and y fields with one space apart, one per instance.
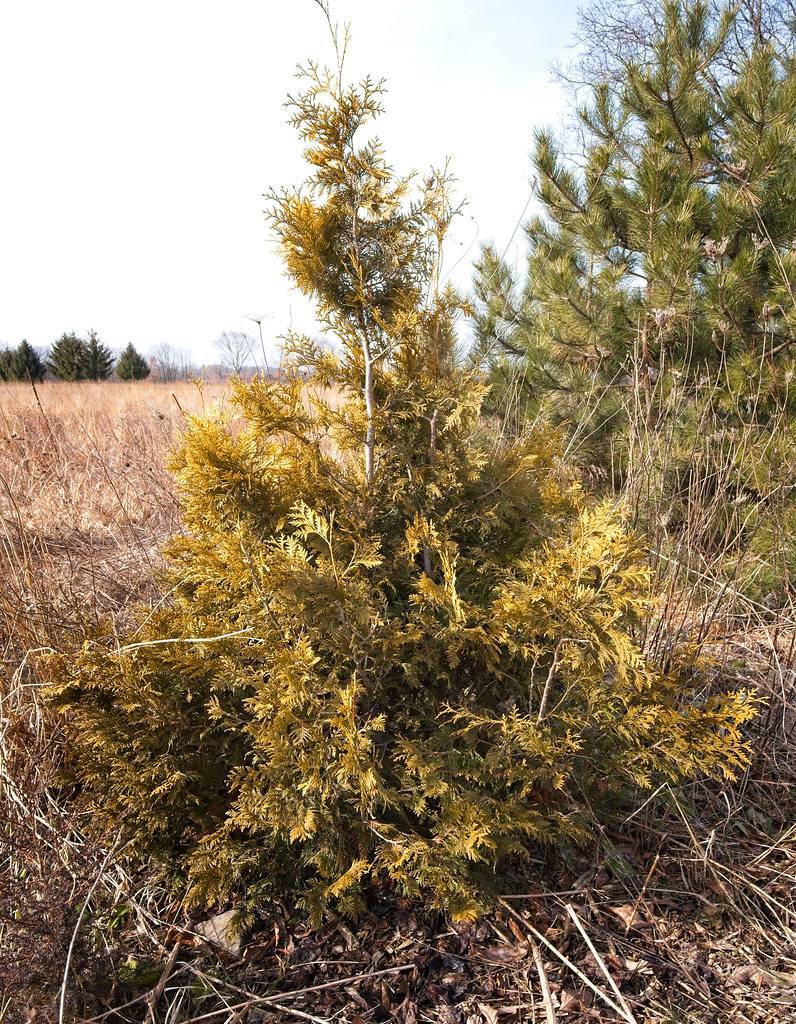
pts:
pixel 391 646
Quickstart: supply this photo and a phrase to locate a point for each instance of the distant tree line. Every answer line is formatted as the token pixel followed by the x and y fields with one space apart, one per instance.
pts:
pixel 73 358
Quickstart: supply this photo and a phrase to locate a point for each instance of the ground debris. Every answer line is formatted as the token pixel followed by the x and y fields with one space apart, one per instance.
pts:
pixel 607 950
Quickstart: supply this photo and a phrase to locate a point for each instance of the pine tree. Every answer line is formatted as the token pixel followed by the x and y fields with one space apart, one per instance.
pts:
pixel 67 358
pixel 21 363
pixel 131 365
pixel 613 33
pixel 97 359
pixel 395 647
pixel 657 317
pixel 669 243
pixel 5 364
pixel 26 363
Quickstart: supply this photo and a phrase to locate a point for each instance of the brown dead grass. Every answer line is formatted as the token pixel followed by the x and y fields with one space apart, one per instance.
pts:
pixel 690 903
pixel 85 497
pixel 86 502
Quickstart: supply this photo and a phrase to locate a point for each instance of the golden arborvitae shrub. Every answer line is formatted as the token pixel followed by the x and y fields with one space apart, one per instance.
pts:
pixel 390 645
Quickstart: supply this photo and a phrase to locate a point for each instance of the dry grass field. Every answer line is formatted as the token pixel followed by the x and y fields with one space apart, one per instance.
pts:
pixel 85 496
pixel 691 907
pixel 86 501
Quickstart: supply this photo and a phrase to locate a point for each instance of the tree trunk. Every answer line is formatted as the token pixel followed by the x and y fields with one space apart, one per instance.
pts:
pixel 370 431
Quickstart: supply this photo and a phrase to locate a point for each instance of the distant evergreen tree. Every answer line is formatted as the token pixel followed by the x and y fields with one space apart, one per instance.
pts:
pixel 67 358
pixel 21 363
pixel 5 364
pixel 97 359
pixel 131 365
pixel 26 363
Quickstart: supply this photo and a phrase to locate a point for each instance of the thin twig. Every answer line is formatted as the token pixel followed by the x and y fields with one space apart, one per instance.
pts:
pixel 80 916
pixel 261 1000
pixel 544 983
pixel 299 1013
pixel 643 890
pixel 548 682
pixel 157 991
pixel 600 962
pixel 568 963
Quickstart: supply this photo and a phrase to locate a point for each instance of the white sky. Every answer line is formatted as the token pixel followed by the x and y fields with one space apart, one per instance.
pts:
pixel 139 138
